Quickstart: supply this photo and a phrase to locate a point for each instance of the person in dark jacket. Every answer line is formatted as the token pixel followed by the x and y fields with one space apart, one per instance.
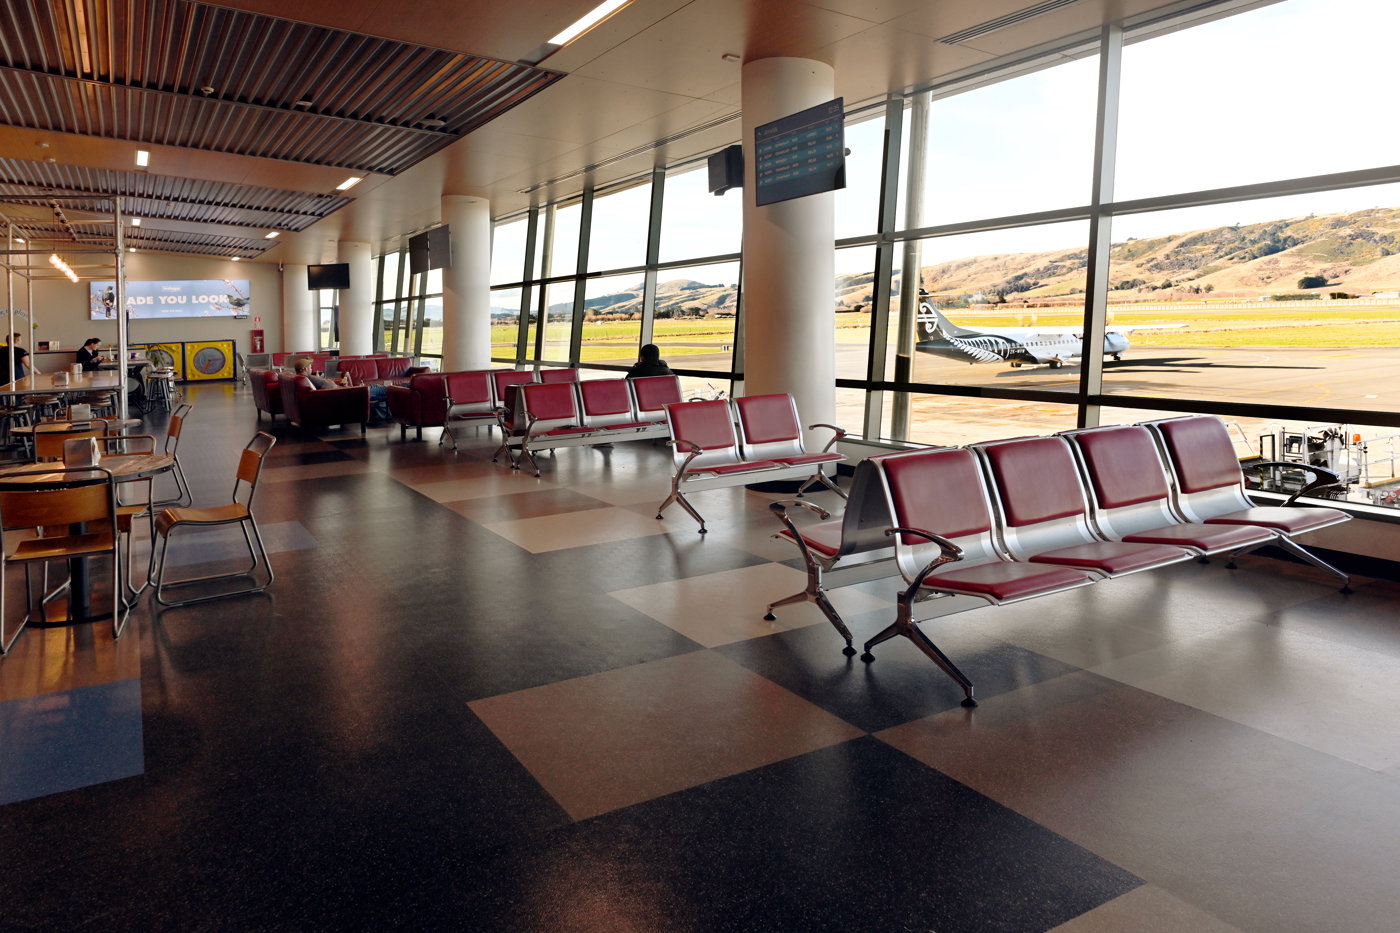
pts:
pixel 649 364
pixel 88 355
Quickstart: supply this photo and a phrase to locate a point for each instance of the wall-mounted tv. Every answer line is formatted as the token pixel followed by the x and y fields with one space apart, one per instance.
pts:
pixel 801 154
pixel 431 249
pixel 331 275
pixel 163 299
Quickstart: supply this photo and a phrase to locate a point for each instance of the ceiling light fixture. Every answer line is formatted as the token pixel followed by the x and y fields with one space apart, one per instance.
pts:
pixel 273 235
pixel 1001 22
pixel 432 123
pixel 348 183
pixel 588 21
pixel 730 57
pixel 63 267
pixel 143 158
pixel 136 221
pixel 236 258
pixel 131 249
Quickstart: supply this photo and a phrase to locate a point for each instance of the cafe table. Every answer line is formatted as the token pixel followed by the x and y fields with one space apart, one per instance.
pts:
pixel 45 475
pixel 43 384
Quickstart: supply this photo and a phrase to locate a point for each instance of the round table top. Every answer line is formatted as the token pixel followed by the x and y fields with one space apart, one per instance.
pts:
pixel 53 474
pixel 74 427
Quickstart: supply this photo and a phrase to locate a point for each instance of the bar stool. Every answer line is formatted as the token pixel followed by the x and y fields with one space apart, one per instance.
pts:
pixel 161 387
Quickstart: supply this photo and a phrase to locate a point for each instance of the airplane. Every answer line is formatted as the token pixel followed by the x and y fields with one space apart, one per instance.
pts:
pixel 1018 346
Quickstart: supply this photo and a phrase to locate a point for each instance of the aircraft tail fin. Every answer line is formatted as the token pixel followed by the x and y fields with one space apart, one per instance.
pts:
pixel 933 325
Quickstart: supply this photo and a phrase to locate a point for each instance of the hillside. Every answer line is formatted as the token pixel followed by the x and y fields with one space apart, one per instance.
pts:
pixel 1357 253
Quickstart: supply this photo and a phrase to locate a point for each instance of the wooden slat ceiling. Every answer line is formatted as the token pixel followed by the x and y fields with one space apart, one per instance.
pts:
pixel 208 78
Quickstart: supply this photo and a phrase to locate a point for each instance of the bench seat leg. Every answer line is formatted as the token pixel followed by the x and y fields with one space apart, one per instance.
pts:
pixel 814 593
pixel 905 625
pixel 676 496
pixel 821 479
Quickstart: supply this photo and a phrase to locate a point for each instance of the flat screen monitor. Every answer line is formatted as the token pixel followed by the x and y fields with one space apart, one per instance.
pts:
pixel 430 250
pixel 332 275
pixel 801 154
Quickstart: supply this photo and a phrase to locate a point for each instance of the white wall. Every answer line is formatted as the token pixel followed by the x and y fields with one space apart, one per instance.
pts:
pixel 61 308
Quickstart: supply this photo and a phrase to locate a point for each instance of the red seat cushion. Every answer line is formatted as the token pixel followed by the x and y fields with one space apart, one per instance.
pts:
pixel 799 459
pixel 1112 557
pixel 1291 519
pixel 1004 581
pixel 1204 537
pixel 725 469
pixel 823 537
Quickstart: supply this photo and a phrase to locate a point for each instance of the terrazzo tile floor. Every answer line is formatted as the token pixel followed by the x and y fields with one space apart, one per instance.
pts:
pixel 478 700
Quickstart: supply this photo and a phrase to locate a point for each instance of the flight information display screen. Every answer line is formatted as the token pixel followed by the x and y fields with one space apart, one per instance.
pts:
pixel 801 154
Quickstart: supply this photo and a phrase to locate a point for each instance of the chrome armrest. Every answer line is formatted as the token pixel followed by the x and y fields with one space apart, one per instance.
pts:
pixel 948 552
pixel 779 508
pixel 836 435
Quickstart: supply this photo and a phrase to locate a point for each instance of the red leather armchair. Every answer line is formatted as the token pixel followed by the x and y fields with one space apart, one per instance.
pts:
pixel 420 404
pixel 267 395
pixel 309 407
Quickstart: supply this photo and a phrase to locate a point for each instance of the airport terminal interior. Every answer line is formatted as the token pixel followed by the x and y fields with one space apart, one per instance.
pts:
pixel 478 698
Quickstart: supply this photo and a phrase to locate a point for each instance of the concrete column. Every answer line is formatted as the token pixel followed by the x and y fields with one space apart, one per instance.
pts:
pixel 357 301
pixel 789 256
pixel 466 285
pixel 300 329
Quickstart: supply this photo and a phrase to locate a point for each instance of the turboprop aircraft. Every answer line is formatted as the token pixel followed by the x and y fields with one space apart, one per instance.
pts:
pixel 1019 346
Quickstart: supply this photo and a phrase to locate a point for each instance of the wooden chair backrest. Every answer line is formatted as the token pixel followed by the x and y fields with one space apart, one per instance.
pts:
pixel 89 502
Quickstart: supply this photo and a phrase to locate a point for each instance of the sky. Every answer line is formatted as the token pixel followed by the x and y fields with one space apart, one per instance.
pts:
pixel 1293 89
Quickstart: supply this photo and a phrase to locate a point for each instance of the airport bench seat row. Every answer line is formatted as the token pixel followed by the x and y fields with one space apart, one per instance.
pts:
pixel 548 415
pixel 1006 521
pixel 758 439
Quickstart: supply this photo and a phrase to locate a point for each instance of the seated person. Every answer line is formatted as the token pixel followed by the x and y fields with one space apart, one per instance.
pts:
pixel 88 356
pixel 650 363
pixel 378 395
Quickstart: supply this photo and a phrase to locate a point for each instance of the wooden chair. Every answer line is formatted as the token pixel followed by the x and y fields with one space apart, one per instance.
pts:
pixel 172 446
pixel 237 512
pixel 131 507
pixel 72 516
pixel 49 445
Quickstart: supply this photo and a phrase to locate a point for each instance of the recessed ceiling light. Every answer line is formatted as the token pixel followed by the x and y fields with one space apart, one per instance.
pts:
pixel 589 19
pixel 19 239
pixel 303 102
pixel 136 221
pixel 348 183
pixel 730 57
pixel 143 158
pixel 236 258
pixel 273 235
pixel 432 123
pixel 131 249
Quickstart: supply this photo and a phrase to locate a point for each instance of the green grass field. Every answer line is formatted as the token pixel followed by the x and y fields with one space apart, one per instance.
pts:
pixel 1284 325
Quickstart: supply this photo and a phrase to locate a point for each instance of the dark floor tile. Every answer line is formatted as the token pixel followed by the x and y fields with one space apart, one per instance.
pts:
pixel 900 685
pixel 855 837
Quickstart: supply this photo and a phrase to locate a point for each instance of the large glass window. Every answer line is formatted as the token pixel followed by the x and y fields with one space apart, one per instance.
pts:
pixel 695 223
pixel 612 320
pixel 696 313
pixel 620 223
pixel 505 323
pixel 1002 309
pixel 508 251
pixel 1013 147
pixel 563 255
pixel 1282 301
pixel 1270 94
pixel 858 204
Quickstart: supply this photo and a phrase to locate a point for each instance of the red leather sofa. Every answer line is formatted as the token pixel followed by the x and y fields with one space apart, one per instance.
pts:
pixel 385 370
pixel 267 395
pixel 310 407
